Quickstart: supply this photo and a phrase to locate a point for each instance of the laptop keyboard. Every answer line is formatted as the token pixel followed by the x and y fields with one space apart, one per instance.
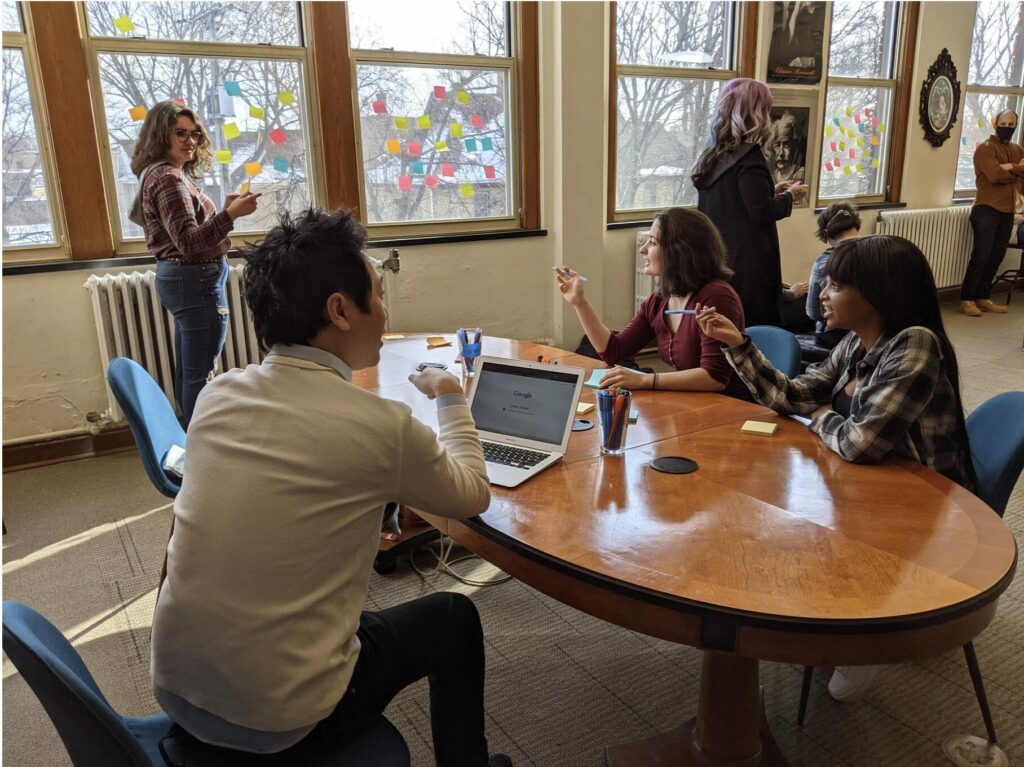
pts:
pixel 517 457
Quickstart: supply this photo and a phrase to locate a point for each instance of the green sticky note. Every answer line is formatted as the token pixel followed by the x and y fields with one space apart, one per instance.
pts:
pixel 471 145
pixel 223 156
pixel 280 164
pixel 231 131
pixel 416 168
pixel 486 144
pixel 233 88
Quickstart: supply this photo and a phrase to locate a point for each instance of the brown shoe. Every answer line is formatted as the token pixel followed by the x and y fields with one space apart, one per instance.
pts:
pixel 970 309
pixel 987 306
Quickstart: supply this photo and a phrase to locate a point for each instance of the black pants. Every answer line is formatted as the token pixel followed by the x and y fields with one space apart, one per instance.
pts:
pixel 991 236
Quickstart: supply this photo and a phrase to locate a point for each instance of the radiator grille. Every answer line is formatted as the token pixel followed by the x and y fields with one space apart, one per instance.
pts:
pixel 943 234
pixel 131 322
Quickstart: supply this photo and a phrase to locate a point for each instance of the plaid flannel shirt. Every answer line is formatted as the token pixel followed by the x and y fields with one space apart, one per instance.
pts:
pixel 181 221
pixel 903 402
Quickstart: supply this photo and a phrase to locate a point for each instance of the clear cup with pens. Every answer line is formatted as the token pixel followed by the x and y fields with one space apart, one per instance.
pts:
pixel 470 341
pixel 613 406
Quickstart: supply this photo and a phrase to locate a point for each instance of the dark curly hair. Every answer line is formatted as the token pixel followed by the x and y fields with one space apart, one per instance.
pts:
pixel 836 219
pixel 692 252
pixel 302 261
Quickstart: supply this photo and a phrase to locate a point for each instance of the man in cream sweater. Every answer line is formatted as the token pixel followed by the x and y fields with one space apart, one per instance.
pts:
pixel 259 636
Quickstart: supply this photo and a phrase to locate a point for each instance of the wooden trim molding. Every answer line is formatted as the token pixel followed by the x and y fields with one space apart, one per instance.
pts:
pixel 904 93
pixel 747 55
pixel 76 149
pixel 528 75
pixel 613 110
pixel 47 451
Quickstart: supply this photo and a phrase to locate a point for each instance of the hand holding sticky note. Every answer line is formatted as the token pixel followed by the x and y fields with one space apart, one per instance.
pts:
pixel 595 378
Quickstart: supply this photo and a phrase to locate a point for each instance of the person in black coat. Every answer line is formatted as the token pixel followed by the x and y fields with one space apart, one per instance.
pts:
pixel 736 191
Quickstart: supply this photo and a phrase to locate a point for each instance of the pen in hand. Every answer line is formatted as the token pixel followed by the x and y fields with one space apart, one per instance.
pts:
pixel 680 311
pixel 567 276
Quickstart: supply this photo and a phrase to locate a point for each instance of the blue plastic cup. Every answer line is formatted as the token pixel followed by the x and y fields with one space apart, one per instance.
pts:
pixel 470 342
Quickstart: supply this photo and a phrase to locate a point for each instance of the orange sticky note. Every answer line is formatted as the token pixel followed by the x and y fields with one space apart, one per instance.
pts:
pixel 874 141
pixel 435 342
pixel 138 113
pixel 253 169
pixel 394 146
pixel 231 131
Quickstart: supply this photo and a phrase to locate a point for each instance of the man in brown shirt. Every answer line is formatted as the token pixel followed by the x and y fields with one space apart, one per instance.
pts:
pixel 999 165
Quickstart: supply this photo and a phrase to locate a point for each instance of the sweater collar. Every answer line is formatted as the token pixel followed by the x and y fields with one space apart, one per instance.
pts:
pixel 312 354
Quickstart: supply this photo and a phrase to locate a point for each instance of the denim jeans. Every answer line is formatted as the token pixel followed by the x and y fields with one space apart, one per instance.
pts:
pixel 194 294
pixel 991 237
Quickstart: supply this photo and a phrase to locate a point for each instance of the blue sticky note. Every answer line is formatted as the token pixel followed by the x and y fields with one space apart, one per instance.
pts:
pixel 835 120
pixel 860 127
pixel 486 144
pixel 416 168
pixel 280 164
pixel 233 88
pixel 471 145
pixel 595 378
pixel 634 415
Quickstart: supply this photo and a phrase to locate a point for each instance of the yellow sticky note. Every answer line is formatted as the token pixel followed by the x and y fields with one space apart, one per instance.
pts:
pixel 981 122
pixel 243 188
pixel 223 155
pixel 860 142
pixel 759 427
pixel 466 190
pixel 462 97
pixel 860 168
pixel 286 97
pixel 584 407
pixel 842 146
pixel 440 146
pixel 874 163
pixel 423 122
pixel 849 111
pixel 828 131
pixel 847 170
pixel 392 336
pixel 394 146
pixel 253 169
pixel 231 131
pixel 456 130
pixel 402 123
pixel 874 141
pixel 138 113
pixel 851 133
pixel 124 24
pixel 881 127
pixel 435 342
pixel 256 112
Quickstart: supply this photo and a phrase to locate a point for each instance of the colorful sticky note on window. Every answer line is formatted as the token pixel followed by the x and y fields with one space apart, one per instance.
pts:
pixel 466 190
pixel 859 167
pixel 832 146
pixel 402 123
pixel 842 146
pixel 881 127
pixel 423 122
pixel 874 141
pixel 417 168
pixel 431 181
pixel 277 136
pixel 981 122
pixel 853 153
pixel 874 121
pixel 256 113
pixel 394 146
pixel 253 169
pixel 860 142
pixel 232 88
pixel 963 140
pixel 138 113
pixel 223 156
pixel 456 130
pixel 837 162
pixel 486 144
pixel 860 128
pixel 415 148
pixel 447 169
pixel 231 131
pixel 835 121
pixel 471 145
pixel 848 170
pixel 286 97
pixel 462 97
pixel 124 24
pixel 280 164
pixel 874 163
pixel 856 117
pixel 379 107
pixel 849 111
pixel 828 166
pixel 405 183
pixel 477 121
pixel 489 171
pixel 440 92
pixel 180 100
pixel 828 130
pixel 440 146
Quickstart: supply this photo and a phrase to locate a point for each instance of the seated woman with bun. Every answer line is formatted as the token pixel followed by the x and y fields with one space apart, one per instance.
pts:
pixel 839 221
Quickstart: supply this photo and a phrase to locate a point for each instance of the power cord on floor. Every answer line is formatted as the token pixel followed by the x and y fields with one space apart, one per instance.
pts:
pixel 441 551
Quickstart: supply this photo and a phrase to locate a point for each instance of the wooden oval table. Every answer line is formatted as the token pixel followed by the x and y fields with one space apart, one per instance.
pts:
pixel 774 549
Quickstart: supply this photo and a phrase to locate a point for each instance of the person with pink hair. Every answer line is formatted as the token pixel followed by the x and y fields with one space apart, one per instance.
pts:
pixel 736 191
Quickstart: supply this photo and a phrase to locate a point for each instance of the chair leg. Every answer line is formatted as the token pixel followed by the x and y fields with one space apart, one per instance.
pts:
pixel 979 690
pixel 805 693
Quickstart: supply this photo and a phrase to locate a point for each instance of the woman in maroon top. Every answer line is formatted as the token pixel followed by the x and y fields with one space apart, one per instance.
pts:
pixel 685 251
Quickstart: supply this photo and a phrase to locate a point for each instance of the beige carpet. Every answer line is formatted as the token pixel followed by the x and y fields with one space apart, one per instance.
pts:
pixel 85 546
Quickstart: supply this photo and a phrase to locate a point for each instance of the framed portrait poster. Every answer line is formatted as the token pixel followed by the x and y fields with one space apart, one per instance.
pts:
pixel 940 100
pixel 795 54
pixel 790 149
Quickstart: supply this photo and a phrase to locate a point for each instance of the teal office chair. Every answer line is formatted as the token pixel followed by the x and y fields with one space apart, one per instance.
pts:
pixel 151 418
pixel 996 433
pixel 95 735
pixel 779 346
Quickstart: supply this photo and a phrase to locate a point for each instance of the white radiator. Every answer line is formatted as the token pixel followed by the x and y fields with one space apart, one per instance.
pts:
pixel 131 322
pixel 643 284
pixel 943 234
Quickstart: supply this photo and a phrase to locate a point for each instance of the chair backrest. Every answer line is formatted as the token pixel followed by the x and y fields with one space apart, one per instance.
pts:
pixel 996 432
pixel 151 418
pixel 779 346
pixel 94 734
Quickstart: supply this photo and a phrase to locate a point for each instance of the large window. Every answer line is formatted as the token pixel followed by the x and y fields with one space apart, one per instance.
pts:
pixel 434 99
pixel 859 100
pixel 241 66
pixel 671 59
pixel 995 79
pixel 30 228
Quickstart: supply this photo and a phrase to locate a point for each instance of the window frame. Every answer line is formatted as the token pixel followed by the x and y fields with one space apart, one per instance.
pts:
pixel 742 49
pixel 105 44
pixel 58 251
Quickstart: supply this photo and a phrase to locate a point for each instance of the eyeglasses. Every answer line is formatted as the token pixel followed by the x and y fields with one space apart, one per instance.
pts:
pixel 184 135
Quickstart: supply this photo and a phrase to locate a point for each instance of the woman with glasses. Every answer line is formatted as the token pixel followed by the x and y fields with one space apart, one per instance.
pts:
pixel 188 238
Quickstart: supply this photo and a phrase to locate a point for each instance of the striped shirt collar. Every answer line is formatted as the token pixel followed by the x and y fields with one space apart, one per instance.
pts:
pixel 312 354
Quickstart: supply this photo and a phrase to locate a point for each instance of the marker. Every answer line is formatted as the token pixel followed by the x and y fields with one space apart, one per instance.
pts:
pixel 680 311
pixel 567 276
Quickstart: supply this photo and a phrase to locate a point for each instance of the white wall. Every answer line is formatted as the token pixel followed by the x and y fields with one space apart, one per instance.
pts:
pixel 52 376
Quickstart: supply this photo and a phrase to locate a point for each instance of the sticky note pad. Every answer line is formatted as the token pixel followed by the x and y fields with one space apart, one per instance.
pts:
pixel 634 416
pixel 392 336
pixel 595 378
pixel 584 407
pixel 759 427
pixel 223 155
pixel 253 168
pixel 434 342
pixel 124 24
pixel 243 188
pixel 256 113
pixel 230 131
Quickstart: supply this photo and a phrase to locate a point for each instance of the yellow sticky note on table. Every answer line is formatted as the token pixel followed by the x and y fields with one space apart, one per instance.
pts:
pixel 138 113
pixel 462 97
pixel 124 24
pixel 584 407
pixel 286 97
pixel 223 156
pixel 253 169
pixel 759 427
pixel 466 190
pixel 231 131
pixel 394 146
pixel 423 122
pixel 402 123
pixel 456 130
pixel 256 112
pixel 435 342
pixel 392 336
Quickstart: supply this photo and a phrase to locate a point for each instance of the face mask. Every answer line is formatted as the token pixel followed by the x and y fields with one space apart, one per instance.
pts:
pixel 1005 133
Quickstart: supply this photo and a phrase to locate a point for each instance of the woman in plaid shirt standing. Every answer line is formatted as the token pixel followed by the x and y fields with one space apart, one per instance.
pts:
pixel 188 238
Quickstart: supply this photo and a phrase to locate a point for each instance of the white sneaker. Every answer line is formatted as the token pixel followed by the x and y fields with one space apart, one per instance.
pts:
pixel 850 682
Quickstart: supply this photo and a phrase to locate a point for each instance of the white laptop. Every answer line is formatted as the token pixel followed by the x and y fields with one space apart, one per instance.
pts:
pixel 524 413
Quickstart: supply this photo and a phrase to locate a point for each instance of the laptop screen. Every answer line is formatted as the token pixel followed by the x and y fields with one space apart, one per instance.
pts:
pixel 523 402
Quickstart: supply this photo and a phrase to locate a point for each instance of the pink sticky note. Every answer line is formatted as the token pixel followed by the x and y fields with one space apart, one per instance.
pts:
pixel 405 183
pixel 837 162
pixel 440 92
pixel 828 166
pixel 874 122
pixel 832 146
pixel 431 182
pixel 180 100
pixel 447 169
pixel 277 136
pixel 489 171
pixel 853 153
pixel 477 121
pixel 379 107
pixel 856 117
pixel 415 148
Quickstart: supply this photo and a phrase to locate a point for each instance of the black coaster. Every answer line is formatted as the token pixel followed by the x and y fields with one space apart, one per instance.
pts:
pixel 673 464
pixel 582 424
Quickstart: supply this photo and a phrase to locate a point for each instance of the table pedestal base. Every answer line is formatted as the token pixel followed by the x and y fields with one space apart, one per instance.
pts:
pixel 730 729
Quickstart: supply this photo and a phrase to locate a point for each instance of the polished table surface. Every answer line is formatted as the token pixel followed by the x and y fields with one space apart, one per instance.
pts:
pixel 774 549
